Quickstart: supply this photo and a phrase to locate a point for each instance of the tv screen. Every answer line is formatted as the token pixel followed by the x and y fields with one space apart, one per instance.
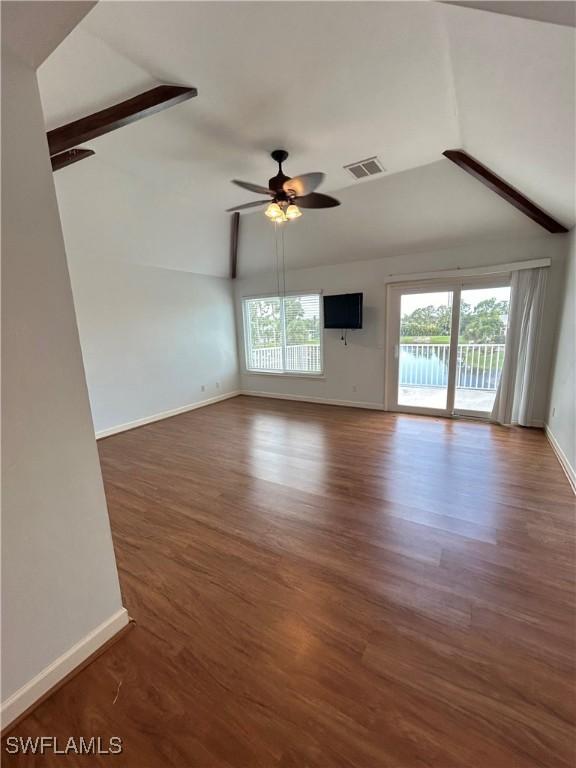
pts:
pixel 343 311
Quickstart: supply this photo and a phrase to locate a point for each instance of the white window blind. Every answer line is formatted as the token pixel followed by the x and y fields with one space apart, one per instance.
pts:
pixel 283 334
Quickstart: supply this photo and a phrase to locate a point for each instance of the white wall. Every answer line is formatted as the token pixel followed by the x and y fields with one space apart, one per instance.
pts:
pixel 151 336
pixel 561 414
pixel 361 364
pixel 59 579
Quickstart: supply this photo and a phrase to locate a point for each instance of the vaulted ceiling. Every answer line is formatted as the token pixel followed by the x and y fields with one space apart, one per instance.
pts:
pixel 35 28
pixel 332 82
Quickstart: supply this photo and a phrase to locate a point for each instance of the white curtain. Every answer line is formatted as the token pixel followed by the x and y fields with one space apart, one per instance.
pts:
pixel 515 394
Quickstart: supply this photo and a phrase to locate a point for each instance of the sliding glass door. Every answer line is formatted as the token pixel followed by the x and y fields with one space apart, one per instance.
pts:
pixel 481 348
pixel 446 346
pixel 424 349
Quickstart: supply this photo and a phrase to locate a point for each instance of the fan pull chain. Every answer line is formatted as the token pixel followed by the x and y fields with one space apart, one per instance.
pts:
pixel 283 263
pixel 277 258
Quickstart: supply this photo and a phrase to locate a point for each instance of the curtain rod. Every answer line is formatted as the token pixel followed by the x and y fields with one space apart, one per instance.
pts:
pixel 492 269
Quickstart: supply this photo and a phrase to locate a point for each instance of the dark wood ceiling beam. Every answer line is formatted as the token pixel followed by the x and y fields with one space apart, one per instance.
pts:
pixel 90 127
pixel 504 190
pixel 234 231
pixel 69 157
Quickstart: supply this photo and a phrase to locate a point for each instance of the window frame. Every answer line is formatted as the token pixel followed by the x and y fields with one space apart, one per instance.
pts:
pixel 247 335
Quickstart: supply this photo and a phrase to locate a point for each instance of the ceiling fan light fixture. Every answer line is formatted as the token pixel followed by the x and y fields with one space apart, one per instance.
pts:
pixel 293 212
pixel 286 193
pixel 274 212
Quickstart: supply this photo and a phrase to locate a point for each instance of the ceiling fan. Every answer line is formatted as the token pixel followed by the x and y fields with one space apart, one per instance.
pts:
pixel 288 195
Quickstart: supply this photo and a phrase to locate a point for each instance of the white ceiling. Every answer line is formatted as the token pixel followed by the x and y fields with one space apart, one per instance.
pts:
pixel 33 29
pixel 515 86
pixel 333 82
pixel 395 215
pixel 552 11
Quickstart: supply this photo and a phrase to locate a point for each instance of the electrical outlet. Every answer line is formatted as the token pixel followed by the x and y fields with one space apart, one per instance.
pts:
pixel 354 388
pixel 203 388
pixel 217 385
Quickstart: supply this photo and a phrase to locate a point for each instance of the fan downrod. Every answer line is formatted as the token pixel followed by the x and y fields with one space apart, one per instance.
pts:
pixel 276 182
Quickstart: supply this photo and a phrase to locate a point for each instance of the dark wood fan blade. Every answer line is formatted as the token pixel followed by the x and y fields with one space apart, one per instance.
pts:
pixel 303 185
pixel 247 205
pixel 252 187
pixel 316 200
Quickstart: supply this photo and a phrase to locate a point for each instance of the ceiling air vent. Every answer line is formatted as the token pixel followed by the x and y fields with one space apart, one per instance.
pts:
pixel 364 168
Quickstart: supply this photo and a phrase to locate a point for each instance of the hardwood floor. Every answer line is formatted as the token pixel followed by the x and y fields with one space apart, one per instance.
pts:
pixel 322 587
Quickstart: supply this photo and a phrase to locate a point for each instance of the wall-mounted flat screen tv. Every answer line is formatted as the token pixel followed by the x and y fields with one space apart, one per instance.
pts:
pixel 343 311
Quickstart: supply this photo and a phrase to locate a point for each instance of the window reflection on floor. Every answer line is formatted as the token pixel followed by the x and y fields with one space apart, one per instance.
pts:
pixel 303 453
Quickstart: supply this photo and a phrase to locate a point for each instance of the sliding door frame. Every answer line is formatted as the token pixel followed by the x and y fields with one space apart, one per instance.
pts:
pixel 392 351
pixel 494 281
pixel 393 319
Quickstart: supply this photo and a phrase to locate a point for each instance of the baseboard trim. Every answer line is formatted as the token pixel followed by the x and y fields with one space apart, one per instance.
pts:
pixel 164 415
pixel 59 671
pixel 321 400
pixel 569 470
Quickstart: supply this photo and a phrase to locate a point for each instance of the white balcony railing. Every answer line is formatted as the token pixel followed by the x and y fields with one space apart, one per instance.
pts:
pixel 426 365
pixel 300 358
pixel 421 365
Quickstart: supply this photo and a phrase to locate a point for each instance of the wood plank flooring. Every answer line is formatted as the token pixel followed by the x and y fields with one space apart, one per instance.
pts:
pixel 323 587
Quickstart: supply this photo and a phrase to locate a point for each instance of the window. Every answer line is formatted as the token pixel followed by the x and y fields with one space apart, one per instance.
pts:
pixel 282 334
